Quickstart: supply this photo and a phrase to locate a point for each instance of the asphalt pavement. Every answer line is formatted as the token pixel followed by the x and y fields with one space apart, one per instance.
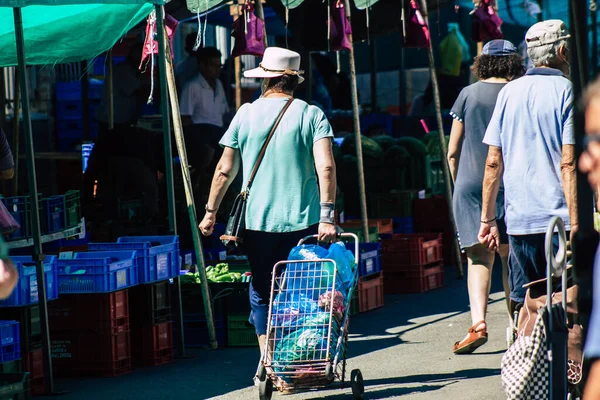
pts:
pixel 404 351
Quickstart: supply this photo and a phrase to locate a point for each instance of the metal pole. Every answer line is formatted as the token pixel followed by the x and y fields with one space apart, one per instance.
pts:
pixel 16 130
pixel 189 194
pixel 85 90
pixel 111 99
pixel 164 94
pixel 438 114
pixel 357 136
pixel 238 83
pixel 260 13
pixel 33 195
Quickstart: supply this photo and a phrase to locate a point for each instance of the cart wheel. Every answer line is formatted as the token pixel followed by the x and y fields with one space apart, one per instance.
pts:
pixel 358 386
pixel 329 372
pixel 261 373
pixel 265 389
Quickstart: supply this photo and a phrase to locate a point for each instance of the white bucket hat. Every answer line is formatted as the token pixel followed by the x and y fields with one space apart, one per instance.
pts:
pixel 277 62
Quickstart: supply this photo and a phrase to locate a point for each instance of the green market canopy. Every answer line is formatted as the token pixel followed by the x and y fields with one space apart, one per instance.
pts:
pixel 62 31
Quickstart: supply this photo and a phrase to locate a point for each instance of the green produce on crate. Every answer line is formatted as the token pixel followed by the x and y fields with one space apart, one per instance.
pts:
pixel 220 273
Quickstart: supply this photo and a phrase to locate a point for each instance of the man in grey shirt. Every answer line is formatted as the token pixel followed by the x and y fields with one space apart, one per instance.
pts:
pixel 531 148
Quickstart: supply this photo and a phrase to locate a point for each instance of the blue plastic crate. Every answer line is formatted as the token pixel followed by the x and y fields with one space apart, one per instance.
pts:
pixel 98 272
pixel 71 91
pixel 369 256
pixel 18 207
pixel 158 255
pixel 10 352
pixel 71 109
pixel 9 332
pixel 101 67
pixel 54 210
pixel 26 291
pixel 404 225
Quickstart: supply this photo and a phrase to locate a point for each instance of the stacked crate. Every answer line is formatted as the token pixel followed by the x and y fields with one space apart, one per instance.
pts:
pixel 69 113
pixel 413 263
pixel 22 307
pixel 369 290
pixel 158 260
pixel 14 383
pixel 90 334
pixel 151 323
pixel 195 325
pixel 432 215
pixel 398 206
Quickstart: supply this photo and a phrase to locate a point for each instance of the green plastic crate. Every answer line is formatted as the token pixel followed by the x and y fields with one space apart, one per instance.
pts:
pixel 14 386
pixel 358 231
pixel 434 176
pixel 239 331
pixel 392 205
pixel 72 208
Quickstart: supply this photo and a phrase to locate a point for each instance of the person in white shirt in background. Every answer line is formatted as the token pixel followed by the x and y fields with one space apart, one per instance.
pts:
pixel 204 108
pixel 187 69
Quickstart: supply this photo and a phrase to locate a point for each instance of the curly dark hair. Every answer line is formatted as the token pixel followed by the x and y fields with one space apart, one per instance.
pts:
pixel 508 67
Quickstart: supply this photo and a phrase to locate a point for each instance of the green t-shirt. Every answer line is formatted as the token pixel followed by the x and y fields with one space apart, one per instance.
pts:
pixel 285 194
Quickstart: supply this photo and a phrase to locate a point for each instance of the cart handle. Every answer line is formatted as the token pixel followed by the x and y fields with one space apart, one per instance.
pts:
pixel 556 264
pixel 341 235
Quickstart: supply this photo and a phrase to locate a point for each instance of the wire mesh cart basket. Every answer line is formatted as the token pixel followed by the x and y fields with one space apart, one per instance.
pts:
pixel 307 331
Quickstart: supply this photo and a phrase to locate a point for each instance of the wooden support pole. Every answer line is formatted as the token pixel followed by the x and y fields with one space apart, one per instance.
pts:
pixel 189 194
pixel 443 149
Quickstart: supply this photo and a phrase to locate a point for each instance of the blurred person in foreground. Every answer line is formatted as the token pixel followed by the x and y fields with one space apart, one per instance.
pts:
pixel 498 64
pixel 589 163
pixel 531 150
pixel 8 273
pixel 293 195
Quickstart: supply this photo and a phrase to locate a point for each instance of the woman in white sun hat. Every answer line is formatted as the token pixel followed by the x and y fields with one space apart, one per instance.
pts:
pixel 293 194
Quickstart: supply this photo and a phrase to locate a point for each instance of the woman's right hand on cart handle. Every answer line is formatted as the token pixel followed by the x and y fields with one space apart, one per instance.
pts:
pixel 327 233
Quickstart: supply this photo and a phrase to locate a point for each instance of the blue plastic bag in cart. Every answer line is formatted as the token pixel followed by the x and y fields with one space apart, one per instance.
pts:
pixel 308 252
pixel 288 306
pixel 346 264
pixel 316 278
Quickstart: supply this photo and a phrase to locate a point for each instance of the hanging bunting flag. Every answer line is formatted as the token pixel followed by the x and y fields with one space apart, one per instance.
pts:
pixel 416 31
pixel 340 28
pixel 151 44
pixel 248 32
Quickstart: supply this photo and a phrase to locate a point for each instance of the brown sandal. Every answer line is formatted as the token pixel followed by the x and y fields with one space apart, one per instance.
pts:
pixel 473 340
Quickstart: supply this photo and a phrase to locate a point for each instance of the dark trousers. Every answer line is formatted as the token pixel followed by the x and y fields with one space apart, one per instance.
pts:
pixel 264 250
pixel 527 262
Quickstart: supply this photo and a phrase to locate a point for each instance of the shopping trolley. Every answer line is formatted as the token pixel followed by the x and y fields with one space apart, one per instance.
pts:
pixel 307 331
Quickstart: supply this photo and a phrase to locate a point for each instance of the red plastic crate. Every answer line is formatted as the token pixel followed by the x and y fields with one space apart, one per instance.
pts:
pixel 431 215
pixel 33 362
pixel 412 249
pixel 94 311
pixel 150 304
pixel 415 281
pixel 370 292
pixel 37 386
pixel 155 346
pixel 91 352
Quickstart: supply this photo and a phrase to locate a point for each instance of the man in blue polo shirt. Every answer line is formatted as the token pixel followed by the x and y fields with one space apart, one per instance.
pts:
pixel 531 147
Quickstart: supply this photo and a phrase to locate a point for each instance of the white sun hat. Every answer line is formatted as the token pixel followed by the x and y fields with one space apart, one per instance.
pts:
pixel 277 62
